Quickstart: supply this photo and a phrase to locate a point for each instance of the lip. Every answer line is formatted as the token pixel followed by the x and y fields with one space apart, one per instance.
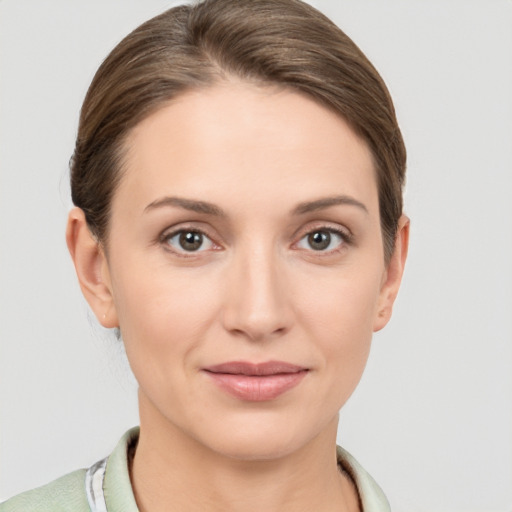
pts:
pixel 256 382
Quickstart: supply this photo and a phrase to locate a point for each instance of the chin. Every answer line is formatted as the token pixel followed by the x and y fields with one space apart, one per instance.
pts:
pixel 245 448
pixel 261 439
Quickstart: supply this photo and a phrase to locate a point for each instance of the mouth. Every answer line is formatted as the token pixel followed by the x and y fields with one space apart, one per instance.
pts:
pixel 256 382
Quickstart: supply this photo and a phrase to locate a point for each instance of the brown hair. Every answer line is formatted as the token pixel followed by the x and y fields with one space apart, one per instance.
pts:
pixel 283 42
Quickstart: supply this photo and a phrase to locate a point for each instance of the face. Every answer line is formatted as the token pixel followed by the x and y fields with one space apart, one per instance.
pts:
pixel 245 268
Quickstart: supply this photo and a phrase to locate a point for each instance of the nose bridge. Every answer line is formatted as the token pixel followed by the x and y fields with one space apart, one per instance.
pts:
pixel 257 303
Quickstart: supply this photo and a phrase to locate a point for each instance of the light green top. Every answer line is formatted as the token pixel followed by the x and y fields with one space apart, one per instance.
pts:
pixel 68 494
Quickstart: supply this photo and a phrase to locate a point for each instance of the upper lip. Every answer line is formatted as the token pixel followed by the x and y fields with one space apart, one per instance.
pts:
pixel 255 369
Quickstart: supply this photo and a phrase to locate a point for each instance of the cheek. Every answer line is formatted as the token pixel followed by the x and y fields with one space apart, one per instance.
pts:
pixel 343 303
pixel 339 312
pixel 161 313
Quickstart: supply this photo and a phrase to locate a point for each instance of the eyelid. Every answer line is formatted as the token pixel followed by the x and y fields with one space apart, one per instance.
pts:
pixel 332 227
pixel 172 231
pixel 342 231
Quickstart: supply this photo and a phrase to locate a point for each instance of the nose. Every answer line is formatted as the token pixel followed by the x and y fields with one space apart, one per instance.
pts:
pixel 257 302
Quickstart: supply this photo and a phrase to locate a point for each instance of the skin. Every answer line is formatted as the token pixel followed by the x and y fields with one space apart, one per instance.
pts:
pixel 256 291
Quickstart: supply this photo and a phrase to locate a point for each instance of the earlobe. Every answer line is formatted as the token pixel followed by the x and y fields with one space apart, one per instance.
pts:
pixel 91 268
pixel 393 275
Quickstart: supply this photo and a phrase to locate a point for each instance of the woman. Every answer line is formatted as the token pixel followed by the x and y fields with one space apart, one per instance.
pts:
pixel 237 178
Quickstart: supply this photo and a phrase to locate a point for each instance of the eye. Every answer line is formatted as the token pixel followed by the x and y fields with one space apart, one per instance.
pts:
pixel 322 240
pixel 188 240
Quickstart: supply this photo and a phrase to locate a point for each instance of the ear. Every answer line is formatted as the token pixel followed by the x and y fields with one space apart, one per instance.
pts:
pixel 393 275
pixel 91 268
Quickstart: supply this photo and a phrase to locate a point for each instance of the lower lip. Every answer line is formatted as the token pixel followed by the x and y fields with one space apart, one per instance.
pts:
pixel 257 388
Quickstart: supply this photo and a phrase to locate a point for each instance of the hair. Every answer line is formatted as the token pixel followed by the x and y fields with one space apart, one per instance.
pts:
pixel 276 42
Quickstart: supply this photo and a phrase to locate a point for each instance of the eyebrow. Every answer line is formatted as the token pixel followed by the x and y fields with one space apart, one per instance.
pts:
pixel 187 204
pixel 326 202
pixel 211 209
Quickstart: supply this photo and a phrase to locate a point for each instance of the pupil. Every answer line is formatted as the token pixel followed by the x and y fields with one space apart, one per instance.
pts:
pixel 191 241
pixel 319 240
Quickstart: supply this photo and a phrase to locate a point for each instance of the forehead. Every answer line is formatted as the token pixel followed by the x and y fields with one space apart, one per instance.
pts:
pixel 251 140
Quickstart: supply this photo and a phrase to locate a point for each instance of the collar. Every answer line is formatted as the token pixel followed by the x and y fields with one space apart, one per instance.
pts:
pixel 108 485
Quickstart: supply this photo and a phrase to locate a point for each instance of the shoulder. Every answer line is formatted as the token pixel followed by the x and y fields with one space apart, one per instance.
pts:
pixel 67 494
pixel 107 482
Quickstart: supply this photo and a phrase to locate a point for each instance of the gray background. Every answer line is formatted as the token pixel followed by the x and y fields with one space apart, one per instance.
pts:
pixel 432 418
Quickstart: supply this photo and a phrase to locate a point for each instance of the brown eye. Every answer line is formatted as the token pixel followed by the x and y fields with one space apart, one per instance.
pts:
pixel 319 240
pixel 324 240
pixel 189 241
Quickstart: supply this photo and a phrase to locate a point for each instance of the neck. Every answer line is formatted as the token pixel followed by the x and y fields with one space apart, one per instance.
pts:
pixel 173 472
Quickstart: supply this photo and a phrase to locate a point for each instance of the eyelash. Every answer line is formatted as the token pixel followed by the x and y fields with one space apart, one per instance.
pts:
pixel 166 237
pixel 344 236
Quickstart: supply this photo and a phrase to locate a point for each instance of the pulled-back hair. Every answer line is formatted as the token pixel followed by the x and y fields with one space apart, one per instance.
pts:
pixel 277 42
